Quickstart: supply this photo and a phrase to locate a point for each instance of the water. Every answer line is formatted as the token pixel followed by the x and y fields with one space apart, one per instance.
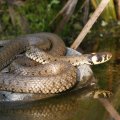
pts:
pixel 66 107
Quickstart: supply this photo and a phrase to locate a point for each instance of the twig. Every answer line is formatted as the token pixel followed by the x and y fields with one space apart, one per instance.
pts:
pixel 62 10
pixel 111 110
pixel 64 15
pixel 86 11
pixel 90 23
pixel 118 8
pixel 16 18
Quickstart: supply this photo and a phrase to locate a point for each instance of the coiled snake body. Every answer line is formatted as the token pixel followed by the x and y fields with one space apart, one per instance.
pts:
pixel 58 73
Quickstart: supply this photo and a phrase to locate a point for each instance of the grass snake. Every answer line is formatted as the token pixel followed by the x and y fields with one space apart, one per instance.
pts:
pixel 57 72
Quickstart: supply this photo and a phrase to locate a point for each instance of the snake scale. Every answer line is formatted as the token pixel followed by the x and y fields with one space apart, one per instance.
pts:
pixel 56 75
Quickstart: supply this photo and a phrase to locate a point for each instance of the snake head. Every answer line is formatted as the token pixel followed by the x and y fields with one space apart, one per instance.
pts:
pixel 98 58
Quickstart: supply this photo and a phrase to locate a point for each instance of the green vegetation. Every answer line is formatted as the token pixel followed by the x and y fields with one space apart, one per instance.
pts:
pixel 32 16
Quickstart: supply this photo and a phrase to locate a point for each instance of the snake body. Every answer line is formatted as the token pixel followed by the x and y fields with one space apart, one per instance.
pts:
pixel 58 73
pixel 41 40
